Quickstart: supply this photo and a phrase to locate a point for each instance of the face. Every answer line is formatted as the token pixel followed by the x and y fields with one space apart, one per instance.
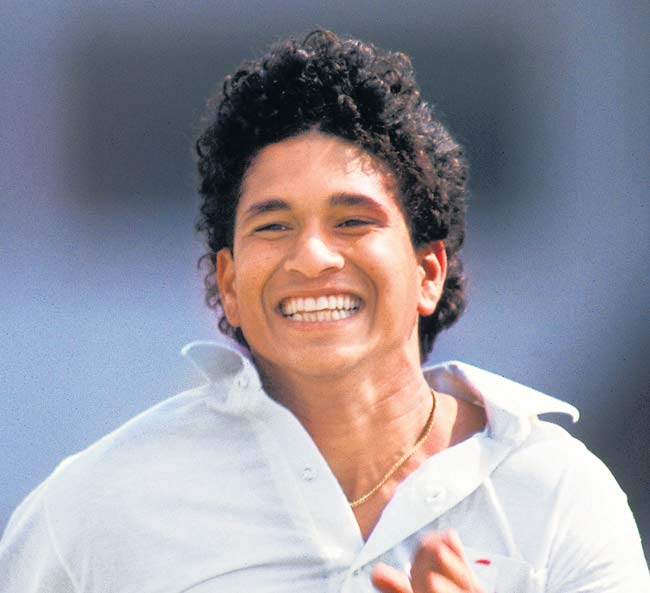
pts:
pixel 323 276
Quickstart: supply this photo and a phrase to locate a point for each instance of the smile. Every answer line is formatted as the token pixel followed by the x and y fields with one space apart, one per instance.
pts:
pixel 322 308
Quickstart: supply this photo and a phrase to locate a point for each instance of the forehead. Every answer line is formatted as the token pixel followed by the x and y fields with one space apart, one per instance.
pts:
pixel 314 165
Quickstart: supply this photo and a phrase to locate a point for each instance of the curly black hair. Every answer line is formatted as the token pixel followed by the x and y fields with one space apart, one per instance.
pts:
pixel 355 91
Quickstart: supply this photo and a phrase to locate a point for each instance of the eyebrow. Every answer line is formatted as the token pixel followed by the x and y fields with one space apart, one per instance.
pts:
pixel 338 199
pixel 346 199
pixel 272 205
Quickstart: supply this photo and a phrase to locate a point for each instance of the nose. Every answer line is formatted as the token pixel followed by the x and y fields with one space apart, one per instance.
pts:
pixel 313 255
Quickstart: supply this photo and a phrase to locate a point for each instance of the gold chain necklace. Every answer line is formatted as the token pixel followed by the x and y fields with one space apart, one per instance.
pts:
pixel 401 460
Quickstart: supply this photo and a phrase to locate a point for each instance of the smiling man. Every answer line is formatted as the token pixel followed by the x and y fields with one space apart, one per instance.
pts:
pixel 320 456
pixel 317 221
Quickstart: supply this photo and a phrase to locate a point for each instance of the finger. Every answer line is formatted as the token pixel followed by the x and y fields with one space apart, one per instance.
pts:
pixel 442 554
pixel 434 582
pixel 452 539
pixel 390 580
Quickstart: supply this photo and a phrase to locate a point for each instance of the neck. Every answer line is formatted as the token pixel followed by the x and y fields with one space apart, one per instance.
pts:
pixel 362 422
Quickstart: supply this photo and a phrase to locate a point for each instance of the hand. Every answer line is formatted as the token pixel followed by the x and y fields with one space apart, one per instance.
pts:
pixel 439 566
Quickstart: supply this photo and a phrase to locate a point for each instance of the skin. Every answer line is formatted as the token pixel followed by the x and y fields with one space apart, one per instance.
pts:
pixel 318 216
pixel 439 566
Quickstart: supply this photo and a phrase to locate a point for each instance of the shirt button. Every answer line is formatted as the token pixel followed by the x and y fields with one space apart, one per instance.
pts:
pixel 242 382
pixel 433 494
pixel 308 474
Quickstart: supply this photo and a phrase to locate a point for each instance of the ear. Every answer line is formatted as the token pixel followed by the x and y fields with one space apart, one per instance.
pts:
pixel 432 259
pixel 227 285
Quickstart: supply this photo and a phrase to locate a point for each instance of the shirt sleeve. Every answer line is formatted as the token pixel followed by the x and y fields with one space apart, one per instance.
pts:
pixel 597 547
pixel 29 559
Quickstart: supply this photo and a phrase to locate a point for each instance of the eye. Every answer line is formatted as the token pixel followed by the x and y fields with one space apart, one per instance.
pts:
pixel 273 226
pixel 353 222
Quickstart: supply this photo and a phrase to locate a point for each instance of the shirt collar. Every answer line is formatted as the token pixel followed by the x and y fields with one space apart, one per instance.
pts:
pixel 230 371
pixel 493 391
pixel 217 360
pixel 227 361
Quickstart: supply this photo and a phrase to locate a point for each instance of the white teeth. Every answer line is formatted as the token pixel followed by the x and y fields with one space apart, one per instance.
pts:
pixel 310 304
pixel 322 308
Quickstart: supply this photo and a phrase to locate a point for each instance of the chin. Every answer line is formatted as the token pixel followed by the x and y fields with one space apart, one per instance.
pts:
pixel 317 361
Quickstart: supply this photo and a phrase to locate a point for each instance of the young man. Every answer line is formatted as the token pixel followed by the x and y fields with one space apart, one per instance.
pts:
pixel 321 456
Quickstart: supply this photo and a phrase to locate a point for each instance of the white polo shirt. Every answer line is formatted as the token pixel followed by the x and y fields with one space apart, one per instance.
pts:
pixel 220 489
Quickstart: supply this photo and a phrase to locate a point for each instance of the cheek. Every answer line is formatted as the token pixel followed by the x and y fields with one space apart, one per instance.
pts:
pixel 252 280
pixel 392 263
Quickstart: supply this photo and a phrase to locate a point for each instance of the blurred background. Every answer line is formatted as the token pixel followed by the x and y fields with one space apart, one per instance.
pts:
pixel 100 103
